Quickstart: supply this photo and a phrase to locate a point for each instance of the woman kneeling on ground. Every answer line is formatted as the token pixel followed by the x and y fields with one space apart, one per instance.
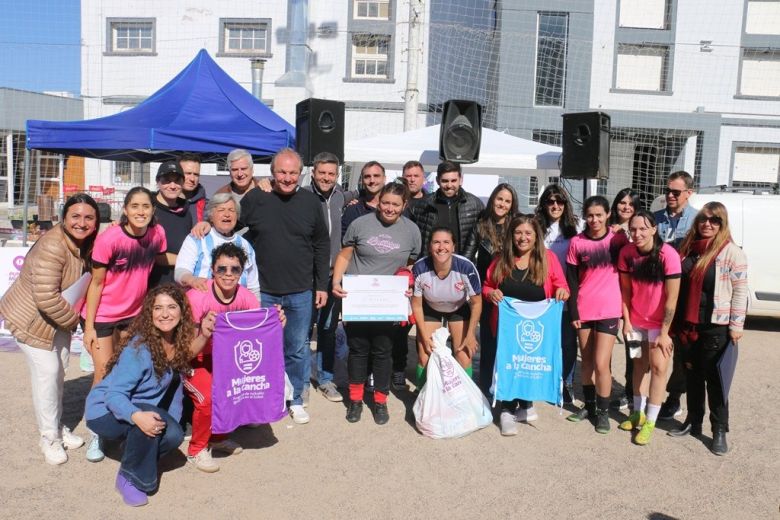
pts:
pixel 139 400
pixel 446 289
pixel 527 271
pixel 649 283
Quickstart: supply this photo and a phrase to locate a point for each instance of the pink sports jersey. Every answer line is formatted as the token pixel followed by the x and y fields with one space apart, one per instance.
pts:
pixel 598 296
pixel 128 261
pixel 203 302
pixel 648 296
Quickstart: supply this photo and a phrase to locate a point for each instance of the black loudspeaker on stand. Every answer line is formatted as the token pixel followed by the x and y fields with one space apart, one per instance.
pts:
pixel 585 145
pixel 319 127
pixel 461 131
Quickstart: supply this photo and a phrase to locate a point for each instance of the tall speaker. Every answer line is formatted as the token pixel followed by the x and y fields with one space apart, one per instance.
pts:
pixel 319 127
pixel 461 131
pixel 585 145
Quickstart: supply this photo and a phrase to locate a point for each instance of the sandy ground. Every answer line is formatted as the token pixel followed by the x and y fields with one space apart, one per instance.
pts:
pixel 332 469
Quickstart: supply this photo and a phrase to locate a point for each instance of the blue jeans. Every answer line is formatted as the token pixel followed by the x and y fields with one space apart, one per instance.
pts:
pixel 298 309
pixel 139 459
pixel 327 323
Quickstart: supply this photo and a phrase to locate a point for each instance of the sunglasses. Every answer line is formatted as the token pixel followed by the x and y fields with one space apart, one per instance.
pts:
pixel 676 193
pixel 553 202
pixel 234 269
pixel 713 220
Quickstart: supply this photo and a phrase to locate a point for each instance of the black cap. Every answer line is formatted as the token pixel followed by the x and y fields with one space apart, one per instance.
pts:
pixel 169 168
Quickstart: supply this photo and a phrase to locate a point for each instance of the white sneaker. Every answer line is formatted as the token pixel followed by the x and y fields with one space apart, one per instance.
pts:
pixel 70 440
pixel 228 446
pixel 53 452
pixel 508 424
pixel 299 414
pixel 526 415
pixel 203 461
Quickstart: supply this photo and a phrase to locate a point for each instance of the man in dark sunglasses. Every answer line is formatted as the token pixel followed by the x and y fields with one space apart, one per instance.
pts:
pixel 677 218
pixel 674 222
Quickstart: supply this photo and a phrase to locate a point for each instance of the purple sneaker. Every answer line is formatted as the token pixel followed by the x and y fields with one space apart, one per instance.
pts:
pixel 130 494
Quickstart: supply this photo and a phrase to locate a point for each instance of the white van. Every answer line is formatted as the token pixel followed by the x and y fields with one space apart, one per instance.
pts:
pixel 754 219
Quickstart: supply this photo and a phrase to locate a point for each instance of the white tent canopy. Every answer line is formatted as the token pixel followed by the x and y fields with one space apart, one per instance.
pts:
pixel 500 154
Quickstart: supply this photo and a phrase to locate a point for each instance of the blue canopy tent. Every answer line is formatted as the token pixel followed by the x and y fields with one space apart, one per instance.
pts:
pixel 201 110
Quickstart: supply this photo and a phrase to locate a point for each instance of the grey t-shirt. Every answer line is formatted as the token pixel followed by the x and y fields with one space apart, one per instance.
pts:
pixel 381 249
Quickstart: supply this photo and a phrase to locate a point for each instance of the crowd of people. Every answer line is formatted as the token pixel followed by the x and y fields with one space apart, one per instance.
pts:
pixel 157 278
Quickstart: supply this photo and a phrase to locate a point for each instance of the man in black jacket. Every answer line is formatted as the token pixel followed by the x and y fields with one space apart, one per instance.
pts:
pixel 449 206
pixel 288 231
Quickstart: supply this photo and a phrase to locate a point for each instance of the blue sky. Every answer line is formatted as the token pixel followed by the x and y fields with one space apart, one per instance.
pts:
pixel 39 45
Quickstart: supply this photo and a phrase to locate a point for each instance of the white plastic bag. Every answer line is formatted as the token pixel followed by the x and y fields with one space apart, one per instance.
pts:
pixel 450 404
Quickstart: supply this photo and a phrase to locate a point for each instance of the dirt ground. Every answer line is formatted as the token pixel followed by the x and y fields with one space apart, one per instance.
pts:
pixel 332 469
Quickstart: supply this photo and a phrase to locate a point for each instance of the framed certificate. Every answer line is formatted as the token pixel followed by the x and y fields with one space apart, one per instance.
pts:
pixel 375 298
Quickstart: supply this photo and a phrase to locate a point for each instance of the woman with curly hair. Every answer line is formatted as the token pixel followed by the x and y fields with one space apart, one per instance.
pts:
pixel 139 400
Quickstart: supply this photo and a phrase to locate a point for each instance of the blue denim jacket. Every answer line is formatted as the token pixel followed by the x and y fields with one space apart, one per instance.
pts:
pixel 675 236
pixel 131 381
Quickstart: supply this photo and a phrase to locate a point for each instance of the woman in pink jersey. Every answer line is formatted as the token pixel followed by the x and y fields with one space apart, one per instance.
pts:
pixel 122 259
pixel 650 282
pixel 595 306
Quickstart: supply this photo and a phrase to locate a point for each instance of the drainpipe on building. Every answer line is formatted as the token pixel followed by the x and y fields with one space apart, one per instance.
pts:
pixel 258 66
pixel 413 54
pixel 298 51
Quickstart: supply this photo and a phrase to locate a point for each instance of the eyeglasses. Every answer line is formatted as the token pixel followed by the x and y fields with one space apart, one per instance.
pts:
pixel 676 193
pixel 234 269
pixel 553 202
pixel 713 220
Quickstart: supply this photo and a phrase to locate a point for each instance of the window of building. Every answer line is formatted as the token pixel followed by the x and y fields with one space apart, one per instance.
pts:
pixel 551 41
pixel 756 166
pixel 372 9
pixel 244 37
pixel 370 54
pixel 131 36
pixel 760 74
pixel 642 67
pixel 131 173
pixel 644 14
pixel 551 137
pixel 763 17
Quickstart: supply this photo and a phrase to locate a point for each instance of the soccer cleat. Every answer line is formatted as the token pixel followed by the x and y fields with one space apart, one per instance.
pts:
pixel 643 437
pixel 635 420
pixel 602 422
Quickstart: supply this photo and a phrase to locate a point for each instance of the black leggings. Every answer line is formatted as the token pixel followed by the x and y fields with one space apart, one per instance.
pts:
pixel 374 342
pixel 703 379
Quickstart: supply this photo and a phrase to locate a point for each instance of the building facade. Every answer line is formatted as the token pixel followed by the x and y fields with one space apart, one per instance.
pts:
pixel 352 51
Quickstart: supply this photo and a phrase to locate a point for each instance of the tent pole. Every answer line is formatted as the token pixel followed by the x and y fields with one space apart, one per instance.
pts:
pixel 10 167
pixel 26 197
pixel 61 176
